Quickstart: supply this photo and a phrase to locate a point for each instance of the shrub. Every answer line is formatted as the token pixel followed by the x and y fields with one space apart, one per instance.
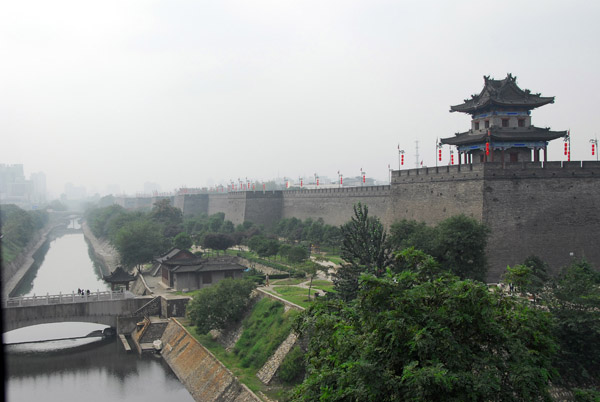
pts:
pixel 292 367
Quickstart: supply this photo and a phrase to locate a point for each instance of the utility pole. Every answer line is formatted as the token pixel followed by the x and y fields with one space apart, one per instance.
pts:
pixel 417 157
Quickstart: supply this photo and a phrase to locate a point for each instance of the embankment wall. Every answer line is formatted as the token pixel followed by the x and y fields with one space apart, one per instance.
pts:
pixel 104 253
pixel 200 371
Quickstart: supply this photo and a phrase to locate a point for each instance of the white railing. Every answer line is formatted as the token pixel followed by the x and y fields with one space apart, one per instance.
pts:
pixel 60 298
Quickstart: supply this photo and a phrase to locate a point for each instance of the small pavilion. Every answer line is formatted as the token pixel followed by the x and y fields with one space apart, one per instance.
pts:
pixel 501 129
pixel 119 277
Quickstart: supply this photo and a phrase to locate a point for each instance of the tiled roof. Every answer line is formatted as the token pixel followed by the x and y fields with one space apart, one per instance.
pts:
pixel 119 275
pixel 530 133
pixel 211 265
pixel 503 93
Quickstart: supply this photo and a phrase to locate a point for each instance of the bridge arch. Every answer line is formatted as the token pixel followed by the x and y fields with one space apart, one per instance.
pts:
pixel 103 312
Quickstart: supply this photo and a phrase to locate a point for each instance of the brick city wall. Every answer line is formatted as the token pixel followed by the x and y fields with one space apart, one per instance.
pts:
pixel 547 209
pixel 550 211
pixel 335 206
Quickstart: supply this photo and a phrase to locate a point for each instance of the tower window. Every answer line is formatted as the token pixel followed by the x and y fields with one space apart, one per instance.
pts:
pixel 504 122
pixel 476 125
pixel 521 122
pixel 487 124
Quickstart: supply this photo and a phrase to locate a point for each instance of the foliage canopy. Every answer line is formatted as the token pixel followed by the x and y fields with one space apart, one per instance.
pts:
pixel 414 336
pixel 215 306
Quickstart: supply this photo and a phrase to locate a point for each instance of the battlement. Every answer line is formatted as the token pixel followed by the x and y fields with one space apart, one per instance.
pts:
pixel 497 170
pixel 351 191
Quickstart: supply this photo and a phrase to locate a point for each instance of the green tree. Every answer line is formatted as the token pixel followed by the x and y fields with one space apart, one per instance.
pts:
pixel 461 247
pixel 414 336
pixel 573 298
pixel 217 241
pixel 263 246
pixel 297 254
pixel 182 241
pixel 364 248
pixel 139 241
pixel 215 306
pixel 227 227
pixel 409 233
pixel 163 212
pixel 216 221
pixel 519 276
pixel 284 250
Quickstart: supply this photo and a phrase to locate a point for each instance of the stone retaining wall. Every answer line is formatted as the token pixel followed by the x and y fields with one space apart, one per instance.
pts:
pixel 204 376
pixel 103 251
pixel 13 272
pixel 266 373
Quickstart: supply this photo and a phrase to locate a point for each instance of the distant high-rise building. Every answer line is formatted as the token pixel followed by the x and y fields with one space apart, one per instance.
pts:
pixel 73 192
pixel 39 187
pixel 14 188
pixel 151 188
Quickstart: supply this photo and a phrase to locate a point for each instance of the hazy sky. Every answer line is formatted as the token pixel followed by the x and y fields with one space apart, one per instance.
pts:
pixel 194 93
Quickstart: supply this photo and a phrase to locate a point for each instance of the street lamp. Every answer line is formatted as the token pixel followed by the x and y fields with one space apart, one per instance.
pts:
pixel 400 157
pixel 438 147
pixel 595 147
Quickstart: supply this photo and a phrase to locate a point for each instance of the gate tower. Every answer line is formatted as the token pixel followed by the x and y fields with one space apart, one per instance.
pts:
pixel 501 129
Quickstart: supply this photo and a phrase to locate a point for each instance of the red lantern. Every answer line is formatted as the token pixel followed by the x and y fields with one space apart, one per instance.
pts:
pixel 300 183
pixel 487 148
pixel 402 161
pixel 341 180
pixel 593 149
pixel 566 148
pixel 452 159
pixel 440 155
pixel 317 182
pixel 363 178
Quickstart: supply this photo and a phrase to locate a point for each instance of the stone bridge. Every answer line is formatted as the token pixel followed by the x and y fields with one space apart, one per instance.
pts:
pixel 98 307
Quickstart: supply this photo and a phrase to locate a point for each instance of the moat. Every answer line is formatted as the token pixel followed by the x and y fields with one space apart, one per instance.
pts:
pixel 91 369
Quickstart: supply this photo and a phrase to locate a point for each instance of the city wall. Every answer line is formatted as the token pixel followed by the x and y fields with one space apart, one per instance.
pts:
pixel 547 209
pixel 552 212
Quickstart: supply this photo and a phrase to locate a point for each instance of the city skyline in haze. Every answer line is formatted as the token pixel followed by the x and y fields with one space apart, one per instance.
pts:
pixel 196 94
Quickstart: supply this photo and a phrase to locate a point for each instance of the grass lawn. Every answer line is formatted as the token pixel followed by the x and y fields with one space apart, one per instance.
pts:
pixel 335 259
pixel 289 281
pixel 293 294
pixel 326 286
pixel 321 282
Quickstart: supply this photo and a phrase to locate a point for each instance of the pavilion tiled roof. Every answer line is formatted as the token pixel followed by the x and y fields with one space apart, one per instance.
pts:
pixel 119 276
pixel 211 265
pixel 530 133
pixel 501 93
pixel 176 256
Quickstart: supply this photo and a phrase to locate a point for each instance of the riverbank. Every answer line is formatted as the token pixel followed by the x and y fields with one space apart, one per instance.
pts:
pixel 13 272
pixel 104 253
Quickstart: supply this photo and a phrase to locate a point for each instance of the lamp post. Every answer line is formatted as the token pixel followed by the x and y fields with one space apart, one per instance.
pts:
pixel 400 157
pixel 595 147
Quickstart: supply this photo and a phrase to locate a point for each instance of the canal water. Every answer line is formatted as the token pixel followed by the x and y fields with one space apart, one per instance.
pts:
pixel 90 369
